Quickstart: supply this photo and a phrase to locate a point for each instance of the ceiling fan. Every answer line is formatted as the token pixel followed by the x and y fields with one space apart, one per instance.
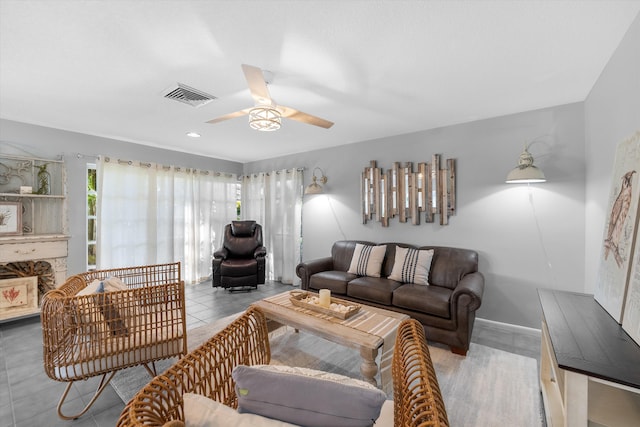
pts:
pixel 266 115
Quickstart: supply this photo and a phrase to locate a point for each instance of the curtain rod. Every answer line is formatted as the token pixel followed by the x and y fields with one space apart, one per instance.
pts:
pixel 169 167
pixel 272 172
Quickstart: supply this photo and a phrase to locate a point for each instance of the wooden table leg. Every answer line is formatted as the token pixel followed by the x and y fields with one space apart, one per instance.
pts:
pixel 369 368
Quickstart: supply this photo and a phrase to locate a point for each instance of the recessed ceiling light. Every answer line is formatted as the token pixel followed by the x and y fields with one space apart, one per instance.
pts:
pixel 193 134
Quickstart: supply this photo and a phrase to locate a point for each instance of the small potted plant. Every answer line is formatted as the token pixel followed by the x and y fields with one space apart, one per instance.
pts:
pixel 43 179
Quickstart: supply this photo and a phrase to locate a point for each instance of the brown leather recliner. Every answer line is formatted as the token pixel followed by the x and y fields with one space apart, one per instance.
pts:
pixel 240 263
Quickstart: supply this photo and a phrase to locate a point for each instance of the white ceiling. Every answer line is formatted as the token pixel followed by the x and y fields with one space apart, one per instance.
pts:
pixel 375 68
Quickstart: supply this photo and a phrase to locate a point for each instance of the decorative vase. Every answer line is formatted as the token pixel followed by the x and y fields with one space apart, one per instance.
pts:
pixel 44 180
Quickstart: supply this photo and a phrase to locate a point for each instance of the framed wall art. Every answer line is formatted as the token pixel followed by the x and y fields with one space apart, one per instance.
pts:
pixel 619 236
pixel 631 309
pixel 10 218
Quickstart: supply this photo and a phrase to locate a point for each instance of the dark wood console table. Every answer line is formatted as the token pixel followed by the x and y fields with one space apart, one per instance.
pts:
pixel 589 366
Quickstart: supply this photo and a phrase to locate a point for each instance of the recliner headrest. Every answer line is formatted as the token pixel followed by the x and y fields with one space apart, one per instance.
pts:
pixel 243 228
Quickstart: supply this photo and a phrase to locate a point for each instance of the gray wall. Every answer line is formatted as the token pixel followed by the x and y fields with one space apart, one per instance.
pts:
pixel 543 236
pixel 612 114
pixel 527 237
pixel 78 150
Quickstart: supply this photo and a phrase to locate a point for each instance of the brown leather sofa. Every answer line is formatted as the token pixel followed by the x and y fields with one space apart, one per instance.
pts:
pixel 446 307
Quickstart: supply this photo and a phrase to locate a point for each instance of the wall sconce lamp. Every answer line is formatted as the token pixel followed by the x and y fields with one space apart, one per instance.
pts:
pixel 525 172
pixel 314 187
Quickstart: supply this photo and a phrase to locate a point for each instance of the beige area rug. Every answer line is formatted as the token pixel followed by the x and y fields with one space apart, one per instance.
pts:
pixel 488 388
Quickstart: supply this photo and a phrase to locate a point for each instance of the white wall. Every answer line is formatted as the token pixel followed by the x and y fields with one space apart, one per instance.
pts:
pixel 527 237
pixel 612 114
pixel 80 149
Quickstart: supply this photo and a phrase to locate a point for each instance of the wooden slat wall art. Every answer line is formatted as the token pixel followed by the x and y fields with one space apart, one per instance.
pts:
pixel 435 171
pixel 395 189
pixel 451 185
pixel 370 192
pixel 383 200
pixel 429 190
pixel 414 207
pixel 404 193
pixel 364 195
pixel 422 185
pixel 444 198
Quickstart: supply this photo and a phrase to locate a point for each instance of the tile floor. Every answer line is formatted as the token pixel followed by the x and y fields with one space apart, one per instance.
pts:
pixel 29 398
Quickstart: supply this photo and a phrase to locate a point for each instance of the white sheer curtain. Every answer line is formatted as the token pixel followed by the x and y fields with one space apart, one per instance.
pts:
pixel 149 214
pixel 274 200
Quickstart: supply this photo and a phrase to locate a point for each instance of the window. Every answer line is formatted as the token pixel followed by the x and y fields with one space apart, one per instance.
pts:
pixel 92 221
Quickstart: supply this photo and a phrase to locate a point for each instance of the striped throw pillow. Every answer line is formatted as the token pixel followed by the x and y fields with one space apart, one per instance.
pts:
pixel 367 260
pixel 412 266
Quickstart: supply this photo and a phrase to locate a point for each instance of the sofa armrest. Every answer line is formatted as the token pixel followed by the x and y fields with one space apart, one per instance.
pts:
pixel 468 293
pixel 305 270
pixel 221 253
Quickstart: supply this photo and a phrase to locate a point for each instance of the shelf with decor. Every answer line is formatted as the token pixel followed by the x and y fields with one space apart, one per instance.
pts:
pixel 33 232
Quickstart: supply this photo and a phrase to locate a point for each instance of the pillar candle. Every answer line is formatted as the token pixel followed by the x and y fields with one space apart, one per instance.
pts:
pixel 325 298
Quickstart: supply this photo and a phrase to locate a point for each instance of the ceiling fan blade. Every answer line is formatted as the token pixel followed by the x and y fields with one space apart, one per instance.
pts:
pixel 230 116
pixel 293 114
pixel 257 84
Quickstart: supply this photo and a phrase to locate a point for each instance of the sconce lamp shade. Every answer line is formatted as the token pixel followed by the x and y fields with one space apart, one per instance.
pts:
pixel 525 172
pixel 314 187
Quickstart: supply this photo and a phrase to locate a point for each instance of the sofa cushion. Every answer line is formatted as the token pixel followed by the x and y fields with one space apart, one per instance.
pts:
pixel 342 252
pixel 412 266
pixel 433 300
pixel 373 289
pixel 450 265
pixel 367 260
pixel 306 397
pixel 239 267
pixel 335 281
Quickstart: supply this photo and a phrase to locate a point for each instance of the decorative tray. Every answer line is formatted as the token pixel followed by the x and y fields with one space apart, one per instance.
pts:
pixel 339 308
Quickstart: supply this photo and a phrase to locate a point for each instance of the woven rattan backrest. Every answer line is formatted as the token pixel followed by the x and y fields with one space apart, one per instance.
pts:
pixel 82 338
pixel 205 370
pixel 417 397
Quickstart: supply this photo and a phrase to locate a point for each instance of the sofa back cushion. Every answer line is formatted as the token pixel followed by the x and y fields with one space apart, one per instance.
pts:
pixel 450 265
pixel 342 252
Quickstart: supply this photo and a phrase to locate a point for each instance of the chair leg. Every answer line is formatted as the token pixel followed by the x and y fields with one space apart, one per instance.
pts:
pixel 99 390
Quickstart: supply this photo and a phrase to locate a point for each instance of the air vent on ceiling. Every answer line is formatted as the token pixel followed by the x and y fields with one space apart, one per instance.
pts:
pixel 188 95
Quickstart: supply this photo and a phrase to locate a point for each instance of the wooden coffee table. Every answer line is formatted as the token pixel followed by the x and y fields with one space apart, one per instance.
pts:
pixel 367 331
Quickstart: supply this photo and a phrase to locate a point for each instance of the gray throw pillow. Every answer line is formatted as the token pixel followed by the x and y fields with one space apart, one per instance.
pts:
pixel 306 397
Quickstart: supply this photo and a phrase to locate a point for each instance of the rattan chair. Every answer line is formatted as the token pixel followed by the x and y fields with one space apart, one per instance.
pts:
pixel 102 333
pixel 416 393
pixel 207 371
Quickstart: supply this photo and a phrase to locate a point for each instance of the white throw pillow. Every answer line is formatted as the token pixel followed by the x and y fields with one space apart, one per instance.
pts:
pixel 412 265
pixel 367 260
pixel 110 284
pixel 200 411
pixel 100 308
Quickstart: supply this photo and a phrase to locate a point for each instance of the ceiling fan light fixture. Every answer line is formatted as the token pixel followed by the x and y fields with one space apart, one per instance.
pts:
pixel 265 118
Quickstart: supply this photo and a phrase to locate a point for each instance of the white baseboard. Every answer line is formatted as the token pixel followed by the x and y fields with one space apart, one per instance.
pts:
pixel 507 327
